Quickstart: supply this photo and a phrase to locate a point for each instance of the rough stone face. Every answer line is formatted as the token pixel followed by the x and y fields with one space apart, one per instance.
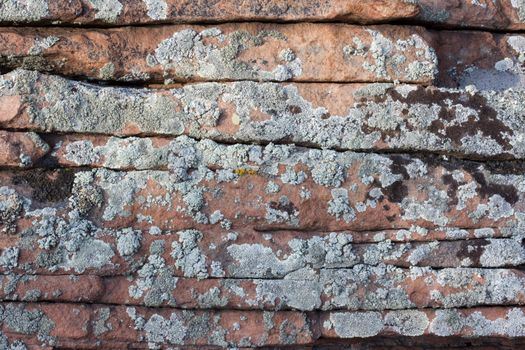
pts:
pixel 210 175
pixel 362 287
pixel 21 149
pixel 500 14
pixel 480 60
pixel 245 51
pixel 494 322
pixel 318 189
pixel 120 12
pixel 361 117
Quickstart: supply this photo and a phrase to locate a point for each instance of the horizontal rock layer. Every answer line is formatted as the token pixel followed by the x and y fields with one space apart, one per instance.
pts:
pixel 262 174
pixel 246 51
pixel 358 117
pixel 269 52
pixel 501 14
pixel 117 326
pixel 362 287
pixel 124 12
pixel 283 187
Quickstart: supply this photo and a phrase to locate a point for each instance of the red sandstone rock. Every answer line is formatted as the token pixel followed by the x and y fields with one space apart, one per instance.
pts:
pixel 171 11
pixel 238 213
pixel 362 287
pixel 248 51
pixel 314 190
pixel 487 61
pixel 99 326
pixel 21 149
pixel 501 14
pixel 363 117
pixel 96 326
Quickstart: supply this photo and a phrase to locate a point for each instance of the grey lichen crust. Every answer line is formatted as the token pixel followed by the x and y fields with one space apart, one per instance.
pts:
pixel 157 9
pixel 446 322
pixel 106 10
pixel 388 57
pixel 519 5
pixel 23 10
pixel 394 120
pixel 210 54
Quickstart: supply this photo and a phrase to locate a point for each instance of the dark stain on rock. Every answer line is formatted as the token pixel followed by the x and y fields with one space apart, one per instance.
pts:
pixel 399 164
pixel 472 250
pixel 485 188
pixel 284 206
pixel 47 186
pixel 487 121
pixel 396 192
pixel 452 188
pixel 294 109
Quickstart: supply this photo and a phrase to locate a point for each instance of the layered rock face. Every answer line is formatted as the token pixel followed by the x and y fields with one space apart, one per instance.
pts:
pixel 262 174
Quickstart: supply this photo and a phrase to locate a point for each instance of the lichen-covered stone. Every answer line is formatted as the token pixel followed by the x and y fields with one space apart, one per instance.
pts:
pixel 21 149
pixel 480 125
pixel 120 12
pixel 309 185
pixel 248 51
pixel 490 14
pixel 482 322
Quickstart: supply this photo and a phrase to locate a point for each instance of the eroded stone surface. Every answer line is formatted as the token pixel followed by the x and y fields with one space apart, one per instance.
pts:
pixel 119 12
pixel 246 51
pixel 66 324
pixel 318 189
pixel 495 322
pixel 479 124
pixel 362 287
pixel 21 149
pixel 500 14
pixel 98 326
pixel 376 199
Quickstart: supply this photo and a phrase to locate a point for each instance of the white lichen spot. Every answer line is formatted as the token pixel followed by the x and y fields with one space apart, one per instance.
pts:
pixel 357 324
pixel 519 5
pixel 157 9
pixel 189 257
pixel 42 44
pixel 23 10
pixel 411 323
pixel 340 207
pixel 107 10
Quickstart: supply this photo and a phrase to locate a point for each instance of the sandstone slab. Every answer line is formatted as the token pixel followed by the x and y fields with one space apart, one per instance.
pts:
pixel 281 187
pixel 501 14
pixel 245 51
pixel 363 287
pixel 21 149
pixel 98 326
pixel 361 117
pixel 130 12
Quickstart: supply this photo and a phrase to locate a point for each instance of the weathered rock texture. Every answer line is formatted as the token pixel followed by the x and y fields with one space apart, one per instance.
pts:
pixel 122 12
pixel 192 183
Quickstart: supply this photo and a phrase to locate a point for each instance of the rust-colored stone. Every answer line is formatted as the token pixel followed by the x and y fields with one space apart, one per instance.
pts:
pixel 246 51
pixel 21 149
pixel 501 14
pixel 363 117
pixel 126 12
